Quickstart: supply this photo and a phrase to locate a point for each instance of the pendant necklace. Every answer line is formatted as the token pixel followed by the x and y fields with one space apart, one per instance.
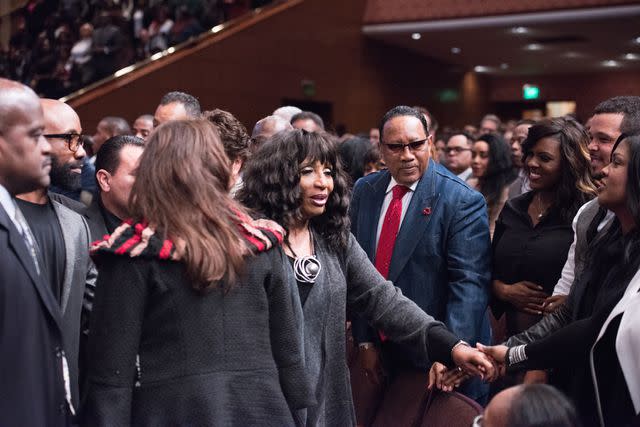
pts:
pixel 306 268
pixel 540 211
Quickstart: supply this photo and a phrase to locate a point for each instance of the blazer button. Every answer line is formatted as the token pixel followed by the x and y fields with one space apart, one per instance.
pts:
pixel 58 352
pixel 62 408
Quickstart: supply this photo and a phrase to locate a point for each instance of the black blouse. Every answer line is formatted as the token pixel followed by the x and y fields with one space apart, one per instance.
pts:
pixel 522 251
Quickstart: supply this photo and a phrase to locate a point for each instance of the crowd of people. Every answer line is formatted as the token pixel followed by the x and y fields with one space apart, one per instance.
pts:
pixel 181 271
pixel 59 46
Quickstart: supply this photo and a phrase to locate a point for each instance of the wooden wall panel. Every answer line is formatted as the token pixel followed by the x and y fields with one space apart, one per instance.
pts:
pixel 250 72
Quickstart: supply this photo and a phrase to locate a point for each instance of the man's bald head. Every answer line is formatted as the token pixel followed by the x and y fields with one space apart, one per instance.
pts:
pixel 24 152
pixel 269 126
pixel 61 119
pixel 14 97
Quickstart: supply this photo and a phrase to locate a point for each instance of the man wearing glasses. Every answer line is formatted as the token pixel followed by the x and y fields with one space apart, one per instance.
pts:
pixel 428 233
pixel 62 235
pixel 458 152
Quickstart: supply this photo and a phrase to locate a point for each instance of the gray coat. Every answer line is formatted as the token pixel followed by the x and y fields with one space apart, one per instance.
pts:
pixel 354 282
pixel 78 286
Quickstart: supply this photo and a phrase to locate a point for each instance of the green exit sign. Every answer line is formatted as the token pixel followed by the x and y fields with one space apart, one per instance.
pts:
pixel 530 92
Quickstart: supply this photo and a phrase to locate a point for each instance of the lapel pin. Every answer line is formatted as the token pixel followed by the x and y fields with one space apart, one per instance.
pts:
pixel 426 211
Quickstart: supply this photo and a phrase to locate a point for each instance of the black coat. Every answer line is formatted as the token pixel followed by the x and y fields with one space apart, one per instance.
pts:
pixel 31 381
pixel 162 354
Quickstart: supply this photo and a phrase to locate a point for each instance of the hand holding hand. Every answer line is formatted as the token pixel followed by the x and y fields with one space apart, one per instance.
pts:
pixel 474 362
pixel 498 353
pixel 445 379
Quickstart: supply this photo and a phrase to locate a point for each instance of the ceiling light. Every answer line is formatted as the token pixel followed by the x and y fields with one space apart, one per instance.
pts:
pixel 416 36
pixel 534 46
pixel 573 55
pixel 504 66
pixel 519 30
pixel 610 63
pixel 456 50
pixel 480 69
pixel 637 40
pixel 632 56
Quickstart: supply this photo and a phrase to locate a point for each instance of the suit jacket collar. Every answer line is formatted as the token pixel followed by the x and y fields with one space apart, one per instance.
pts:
pixel 19 247
pixel 371 204
pixel 416 220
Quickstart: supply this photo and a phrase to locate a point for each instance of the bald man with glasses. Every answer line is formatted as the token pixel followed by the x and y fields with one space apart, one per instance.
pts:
pixel 61 235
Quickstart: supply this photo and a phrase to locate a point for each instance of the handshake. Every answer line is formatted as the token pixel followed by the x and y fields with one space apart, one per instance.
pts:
pixel 486 362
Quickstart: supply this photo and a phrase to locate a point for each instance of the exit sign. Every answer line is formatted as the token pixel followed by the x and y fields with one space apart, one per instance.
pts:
pixel 530 91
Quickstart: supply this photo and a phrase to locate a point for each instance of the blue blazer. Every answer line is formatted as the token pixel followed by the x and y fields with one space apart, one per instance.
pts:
pixel 442 254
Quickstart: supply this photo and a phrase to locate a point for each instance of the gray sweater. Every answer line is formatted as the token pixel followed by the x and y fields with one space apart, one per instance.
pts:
pixel 350 281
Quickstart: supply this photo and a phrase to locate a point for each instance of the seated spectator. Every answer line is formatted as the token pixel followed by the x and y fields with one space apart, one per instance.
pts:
pixel 185 27
pixel 79 64
pixel 287 112
pixel 531 405
pixel 176 106
pixel 492 173
pixel 107 44
pixel 159 29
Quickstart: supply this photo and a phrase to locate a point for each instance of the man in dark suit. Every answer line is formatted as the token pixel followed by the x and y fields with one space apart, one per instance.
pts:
pixel 116 163
pixel 33 390
pixel 62 235
pixel 428 233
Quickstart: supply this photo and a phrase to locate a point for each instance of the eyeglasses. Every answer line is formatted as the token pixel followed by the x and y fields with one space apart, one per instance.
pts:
pixel 413 146
pixel 74 140
pixel 456 150
pixel 477 421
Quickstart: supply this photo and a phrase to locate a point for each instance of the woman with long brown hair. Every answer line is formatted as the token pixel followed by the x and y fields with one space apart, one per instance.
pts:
pixel 193 322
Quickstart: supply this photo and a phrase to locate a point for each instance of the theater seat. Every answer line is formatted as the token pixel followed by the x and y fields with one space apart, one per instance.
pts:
pixel 450 410
pixel 405 401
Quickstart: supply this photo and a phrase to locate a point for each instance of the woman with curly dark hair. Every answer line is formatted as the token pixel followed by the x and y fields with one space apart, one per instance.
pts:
pixel 296 179
pixel 533 233
pixel 492 173
pixel 193 322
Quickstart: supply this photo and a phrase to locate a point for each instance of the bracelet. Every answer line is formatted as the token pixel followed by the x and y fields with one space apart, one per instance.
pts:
pixel 459 343
pixel 365 345
pixel 516 355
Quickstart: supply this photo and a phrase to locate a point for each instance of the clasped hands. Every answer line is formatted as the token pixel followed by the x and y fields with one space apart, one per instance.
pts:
pixel 486 362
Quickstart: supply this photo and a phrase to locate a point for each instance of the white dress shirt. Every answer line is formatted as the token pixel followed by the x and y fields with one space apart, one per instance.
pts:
pixel 406 199
pixel 9 206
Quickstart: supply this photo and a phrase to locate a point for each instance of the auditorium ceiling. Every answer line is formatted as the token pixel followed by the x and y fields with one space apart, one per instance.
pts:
pixel 535 43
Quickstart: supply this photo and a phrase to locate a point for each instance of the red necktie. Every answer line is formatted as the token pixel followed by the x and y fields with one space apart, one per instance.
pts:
pixel 390 228
pixel 387 240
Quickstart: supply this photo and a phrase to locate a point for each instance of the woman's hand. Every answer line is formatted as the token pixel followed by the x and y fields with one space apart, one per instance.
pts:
pixel 551 304
pixel 497 353
pixel 445 379
pixel 525 296
pixel 474 362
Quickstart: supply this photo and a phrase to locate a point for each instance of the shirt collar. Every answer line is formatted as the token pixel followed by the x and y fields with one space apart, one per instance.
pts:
pixel 7 203
pixel 393 183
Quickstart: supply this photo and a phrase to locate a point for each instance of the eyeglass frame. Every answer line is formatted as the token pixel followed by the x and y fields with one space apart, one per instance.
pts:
pixel 399 147
pixel 458 150
pixel 68 137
